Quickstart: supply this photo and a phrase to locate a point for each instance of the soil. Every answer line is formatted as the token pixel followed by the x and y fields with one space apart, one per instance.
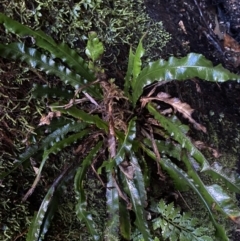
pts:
pixel 192 24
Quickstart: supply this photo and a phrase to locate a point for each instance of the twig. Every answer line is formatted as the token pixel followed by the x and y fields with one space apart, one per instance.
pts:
pixel 184 200
pixel 211 36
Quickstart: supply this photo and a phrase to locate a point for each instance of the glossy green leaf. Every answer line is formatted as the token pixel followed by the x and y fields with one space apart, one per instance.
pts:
pixel 138 209
pixel 112 202
pixel 44 91
pixel 57 146
pixel 30 151
pixel 223 202
pixel 177 134
pixel 193 65
pixel 61 51
pixel 60 133
pixel 94 49
pixel 125 222
pixel 137 63
pixel 128 77
pixel 193 180
pixel 138 178
pixel 41 222
pixel 145 171
pixel 82 115
pixel 81 206
pixel 127 143
pixel 230 177
pixel 18 51
pixel 52 138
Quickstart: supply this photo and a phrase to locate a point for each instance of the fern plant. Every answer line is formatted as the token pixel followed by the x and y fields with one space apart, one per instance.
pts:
pixel 103 119
pixel 176 226
pixel 171 224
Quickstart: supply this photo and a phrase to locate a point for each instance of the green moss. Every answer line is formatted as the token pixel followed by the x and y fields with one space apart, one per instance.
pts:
pixel 116 22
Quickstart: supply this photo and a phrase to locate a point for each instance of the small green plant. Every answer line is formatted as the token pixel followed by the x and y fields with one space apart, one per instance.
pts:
pixel 118 131
pixel 176 226
pixel 171 225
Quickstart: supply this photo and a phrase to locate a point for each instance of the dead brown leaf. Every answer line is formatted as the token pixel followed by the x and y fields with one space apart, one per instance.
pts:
pixel 230 43
pixel 46 120
pixel 128 169
pixel 184 108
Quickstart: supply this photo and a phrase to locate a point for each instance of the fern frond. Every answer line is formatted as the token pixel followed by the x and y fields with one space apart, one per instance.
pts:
pixel 43 91
pixel 193 65
pixel 127 143
pixel 81 206
pixel 50 140
pixel 57 146
pixel 113 212
pixel 176 226
pixel 176 133
pixel 61 51
pixel 18 51
pixel 41 221
pixel 84 116
pixel 230 177
pixel 194 181
pixel 138 209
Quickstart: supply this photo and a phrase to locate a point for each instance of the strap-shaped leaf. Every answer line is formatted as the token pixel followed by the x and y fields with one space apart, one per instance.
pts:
pixel 230 177
pixel 62 51
pixel 193 65
pixel 81 206
pixel 41 222
pixel 127 143
pixel 138 178
pixel 43 91
pixel 223 202
pixel 137 63
pixel 194 181
pixel 60 133
pixel 80 114
pixel 125 222
pixel 56 136
pixel 128 77
pixel 30 151
pixel 170 150
pixel 177 134
pixel 112 202
pixel 214 194
pixel 58 146
pixel 138 209
pixel 18 51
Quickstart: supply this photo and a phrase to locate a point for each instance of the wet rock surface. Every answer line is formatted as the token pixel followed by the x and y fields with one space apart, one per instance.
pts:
pixel 194 25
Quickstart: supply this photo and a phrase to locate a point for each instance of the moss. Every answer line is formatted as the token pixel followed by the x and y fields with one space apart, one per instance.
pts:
pixel 116 22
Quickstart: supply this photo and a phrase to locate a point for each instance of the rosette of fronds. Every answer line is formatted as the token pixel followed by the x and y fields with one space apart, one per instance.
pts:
pixel 119 130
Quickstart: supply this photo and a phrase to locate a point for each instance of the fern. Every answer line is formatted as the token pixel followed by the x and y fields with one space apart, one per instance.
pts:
pixel 61 51
pixel 99 131
pixel 175 226
pixel 193 65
